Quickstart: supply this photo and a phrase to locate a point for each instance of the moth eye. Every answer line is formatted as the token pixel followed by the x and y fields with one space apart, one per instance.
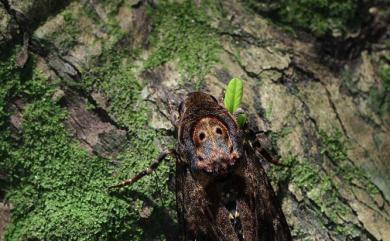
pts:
pixel 202 136
pixel 218 131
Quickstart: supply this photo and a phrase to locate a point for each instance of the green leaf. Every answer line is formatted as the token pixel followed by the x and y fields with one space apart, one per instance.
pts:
pixel 233 95
pixel 241 119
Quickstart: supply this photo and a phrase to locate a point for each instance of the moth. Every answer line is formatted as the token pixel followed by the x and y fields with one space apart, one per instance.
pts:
pixel 222 191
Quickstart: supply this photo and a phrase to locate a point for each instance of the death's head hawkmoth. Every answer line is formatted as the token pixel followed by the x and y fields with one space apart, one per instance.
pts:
pixel 208 135
pixel 222 191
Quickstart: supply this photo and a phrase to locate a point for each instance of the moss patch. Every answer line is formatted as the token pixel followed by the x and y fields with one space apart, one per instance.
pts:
pixel 334 146
pixel 379 96
pixel 318 16
pixel 70 32
pixel 57 189
pixel 116 80
pixel 318 183
pixel 182 33
pixel 80 27
pixel 318 187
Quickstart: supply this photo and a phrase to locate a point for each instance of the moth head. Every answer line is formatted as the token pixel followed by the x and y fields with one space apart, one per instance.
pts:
pixel 209 137
pixel 214 150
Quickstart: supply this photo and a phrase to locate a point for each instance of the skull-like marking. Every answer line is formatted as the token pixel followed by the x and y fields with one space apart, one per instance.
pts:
pixel 218 153
pixel 213 146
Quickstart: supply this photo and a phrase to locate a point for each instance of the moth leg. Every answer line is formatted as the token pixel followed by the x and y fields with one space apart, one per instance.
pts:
pixel 173 114
pixel 265 154
pixel 263 148
pixel 148 170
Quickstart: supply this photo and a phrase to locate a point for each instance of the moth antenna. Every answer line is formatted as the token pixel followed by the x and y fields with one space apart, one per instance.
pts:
pixel 173 114
pixel 148 170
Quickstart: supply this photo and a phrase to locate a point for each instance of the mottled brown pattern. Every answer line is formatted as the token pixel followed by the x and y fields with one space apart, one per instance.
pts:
pixel 236 204
pixel 222 191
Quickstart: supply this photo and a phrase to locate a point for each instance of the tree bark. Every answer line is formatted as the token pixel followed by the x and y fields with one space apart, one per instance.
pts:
pixel 291 92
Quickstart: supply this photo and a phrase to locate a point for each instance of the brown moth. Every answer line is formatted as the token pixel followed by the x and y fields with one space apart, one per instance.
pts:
pixel 222 191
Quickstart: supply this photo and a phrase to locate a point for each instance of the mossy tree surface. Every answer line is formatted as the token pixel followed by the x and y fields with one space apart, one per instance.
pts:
pixel 320 17
pixel 183 34
pixel 59 190
pixel 317 181
pixel 379 96
pixel 334 140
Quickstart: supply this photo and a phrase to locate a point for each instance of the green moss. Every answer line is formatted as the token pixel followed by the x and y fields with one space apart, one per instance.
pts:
pixel 318 16
pixel 67 36
pixel 319 188
pixel 71 31
pixel 268 111
pixel 112 6
pixel 9 76
pixel 237 56
pixel 334 145
pixel 379 96
pixel 183 34
pixel 318 185
pixel 275 136
pixel 58 190
pixel 115 78
pixel 110 26
pixel 349 82
pixel 77 17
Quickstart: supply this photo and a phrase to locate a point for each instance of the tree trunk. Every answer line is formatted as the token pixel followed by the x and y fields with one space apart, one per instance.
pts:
pixel 314 106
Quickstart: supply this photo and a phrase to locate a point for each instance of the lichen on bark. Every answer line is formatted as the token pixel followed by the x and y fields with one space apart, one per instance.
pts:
pixel 86 112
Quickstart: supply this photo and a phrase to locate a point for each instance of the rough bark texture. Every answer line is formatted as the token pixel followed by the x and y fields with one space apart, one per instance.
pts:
pixel 292 91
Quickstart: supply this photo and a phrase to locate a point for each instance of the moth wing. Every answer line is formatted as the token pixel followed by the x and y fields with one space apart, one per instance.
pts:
pixel 197 220
pixel 262 216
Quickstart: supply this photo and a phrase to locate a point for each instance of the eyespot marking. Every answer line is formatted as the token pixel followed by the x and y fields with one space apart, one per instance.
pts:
pixel 218 131
pixel 202 135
